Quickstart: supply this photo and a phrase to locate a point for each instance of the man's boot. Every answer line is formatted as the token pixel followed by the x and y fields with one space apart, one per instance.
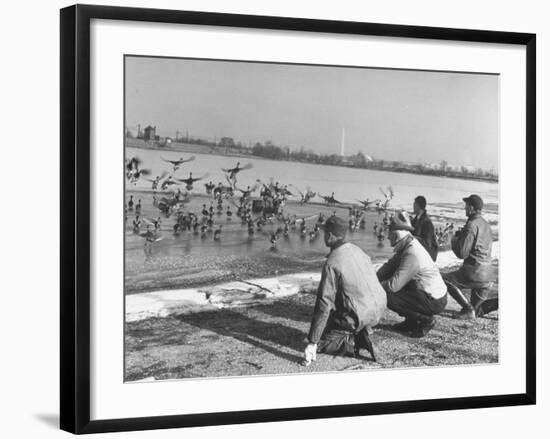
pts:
pixel 488 306
pixel 362 341
pixel 423 326
pixel 467 312
pixel 404 326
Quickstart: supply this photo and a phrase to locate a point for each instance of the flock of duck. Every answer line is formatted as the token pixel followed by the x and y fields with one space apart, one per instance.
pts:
pixel 255 212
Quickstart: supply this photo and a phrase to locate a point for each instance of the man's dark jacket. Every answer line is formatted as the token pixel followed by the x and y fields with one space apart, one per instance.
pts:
pixel 424 230
pixel 474 244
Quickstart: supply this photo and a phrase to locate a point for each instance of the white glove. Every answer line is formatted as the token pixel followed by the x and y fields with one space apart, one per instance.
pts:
pixel 310 353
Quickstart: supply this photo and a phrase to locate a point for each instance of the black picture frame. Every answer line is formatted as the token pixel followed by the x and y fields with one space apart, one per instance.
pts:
pixel 75 217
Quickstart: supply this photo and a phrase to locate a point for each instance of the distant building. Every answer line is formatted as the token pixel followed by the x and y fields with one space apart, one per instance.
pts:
pixel 165 141
pixel 453 168
pixel 150 133
pixel 227 142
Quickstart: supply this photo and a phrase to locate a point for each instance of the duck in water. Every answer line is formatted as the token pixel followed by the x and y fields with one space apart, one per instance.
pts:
pixel 131 203
pixel 136 224
pixel 274 237
pixel 155 183
pixel 313 234
pixel 381 236
pixel 351 224
pixel 303 228
pixel 209 187
pixel 250 225
pixel 218 233
pixel 156 223
pixel 150 237
pixel 286 229
pixel 229 214
pixel 321 219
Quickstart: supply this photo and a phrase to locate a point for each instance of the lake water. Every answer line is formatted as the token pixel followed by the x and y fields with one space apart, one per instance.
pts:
pixel 189 259
pixel 348 184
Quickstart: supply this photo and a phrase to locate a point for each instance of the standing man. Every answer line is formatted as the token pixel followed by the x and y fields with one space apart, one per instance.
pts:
pixel 474 244
pixel 349 300
pixel 423 227
pixel 415 289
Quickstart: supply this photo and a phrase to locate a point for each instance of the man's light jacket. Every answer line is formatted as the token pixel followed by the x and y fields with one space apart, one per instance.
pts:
pixel 412 267
pixel 349 296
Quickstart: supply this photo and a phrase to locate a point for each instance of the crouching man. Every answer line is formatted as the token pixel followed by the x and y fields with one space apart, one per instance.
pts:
pixel 350 299
pixel 415 289
pixel 473 244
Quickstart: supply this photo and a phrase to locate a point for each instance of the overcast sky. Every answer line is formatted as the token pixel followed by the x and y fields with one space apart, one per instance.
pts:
pixel 388 114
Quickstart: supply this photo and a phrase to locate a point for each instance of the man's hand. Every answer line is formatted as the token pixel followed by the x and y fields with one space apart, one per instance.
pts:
pixel 310 354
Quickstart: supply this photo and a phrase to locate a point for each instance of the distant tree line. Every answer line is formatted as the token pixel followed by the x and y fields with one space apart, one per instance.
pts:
pixel 271 151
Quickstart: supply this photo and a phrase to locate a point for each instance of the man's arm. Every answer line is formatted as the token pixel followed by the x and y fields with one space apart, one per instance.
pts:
pixel 407 269
pixel 462 244
pixel 386 271
pixel 326 296
pixel 431 240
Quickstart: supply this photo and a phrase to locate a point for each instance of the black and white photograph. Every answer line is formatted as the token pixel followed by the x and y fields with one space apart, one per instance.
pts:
pixel 288 219
pixel 275 219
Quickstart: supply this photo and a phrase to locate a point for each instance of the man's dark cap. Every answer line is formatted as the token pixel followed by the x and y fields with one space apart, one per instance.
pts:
pixel 421 201
pixel 337 226
pixel 475 201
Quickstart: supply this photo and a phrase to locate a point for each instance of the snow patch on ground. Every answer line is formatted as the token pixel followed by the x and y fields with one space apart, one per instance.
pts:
pixel 239 293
